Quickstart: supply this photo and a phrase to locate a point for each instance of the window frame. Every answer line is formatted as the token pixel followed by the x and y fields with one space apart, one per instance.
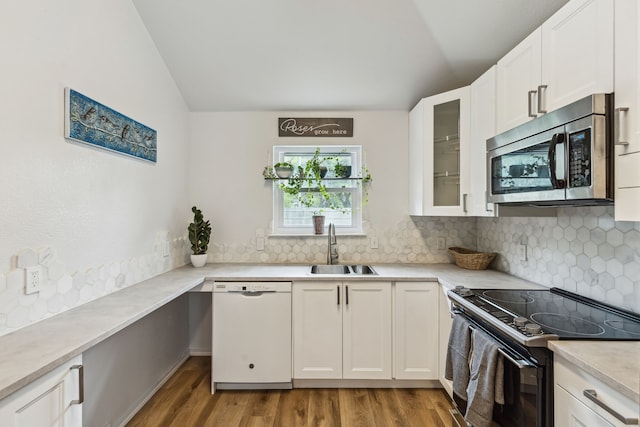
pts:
pixel 356 154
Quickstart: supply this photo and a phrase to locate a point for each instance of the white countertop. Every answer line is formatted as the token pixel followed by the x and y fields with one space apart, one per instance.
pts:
pixel 616 363
pixel 31 352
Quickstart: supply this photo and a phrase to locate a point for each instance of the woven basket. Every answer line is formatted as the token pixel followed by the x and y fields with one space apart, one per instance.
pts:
pixel 472 260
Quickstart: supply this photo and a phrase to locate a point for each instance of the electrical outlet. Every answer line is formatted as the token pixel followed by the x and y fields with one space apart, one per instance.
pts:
pixel 373 243
pixel 33 279
pixel 260 244
pixel 522 252
pixel 441 243
pixel 166 248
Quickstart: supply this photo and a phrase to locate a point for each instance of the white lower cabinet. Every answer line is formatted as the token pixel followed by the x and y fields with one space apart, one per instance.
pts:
pixel 573 407
pixel 415 342
pixel 342 330
pixel 54 400
pixel 444 324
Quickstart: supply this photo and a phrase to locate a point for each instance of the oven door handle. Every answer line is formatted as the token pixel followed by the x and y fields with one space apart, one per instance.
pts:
pixel 455 311
pixel 521 364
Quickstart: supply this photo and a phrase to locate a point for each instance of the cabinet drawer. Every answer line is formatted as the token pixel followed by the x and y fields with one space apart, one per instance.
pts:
pixel 575 381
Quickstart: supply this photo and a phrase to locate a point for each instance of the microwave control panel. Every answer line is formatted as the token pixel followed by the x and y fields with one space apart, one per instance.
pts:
pixel 580 158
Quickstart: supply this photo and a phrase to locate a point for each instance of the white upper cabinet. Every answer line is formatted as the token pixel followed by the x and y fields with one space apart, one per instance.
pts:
pixel 627 114
pixel 577 53
pixel 439 154
pixel 518 77
pixel 483 127
pixel 569 57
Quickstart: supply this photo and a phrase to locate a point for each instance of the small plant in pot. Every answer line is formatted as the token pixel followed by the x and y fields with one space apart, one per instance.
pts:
pixel 199 235
pixel 318 222
pixel 342 171
pixel 283 169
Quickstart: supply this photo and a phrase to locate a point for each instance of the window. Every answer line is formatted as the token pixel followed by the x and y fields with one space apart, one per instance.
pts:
pixel 343 208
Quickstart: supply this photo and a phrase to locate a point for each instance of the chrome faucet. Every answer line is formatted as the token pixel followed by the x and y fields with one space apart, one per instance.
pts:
pixel 332 250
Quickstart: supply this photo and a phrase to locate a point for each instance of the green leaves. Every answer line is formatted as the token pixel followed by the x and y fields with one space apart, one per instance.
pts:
pixel 199 232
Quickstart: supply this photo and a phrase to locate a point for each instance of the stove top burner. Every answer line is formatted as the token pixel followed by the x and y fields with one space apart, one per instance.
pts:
pixel 565 323
pixel 624 326
pixel 508 297
pixel 533 316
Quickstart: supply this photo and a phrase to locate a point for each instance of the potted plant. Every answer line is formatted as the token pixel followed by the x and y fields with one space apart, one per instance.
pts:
pixel 342 171
pixel 199 234
pixel 318 222
pixel 283 169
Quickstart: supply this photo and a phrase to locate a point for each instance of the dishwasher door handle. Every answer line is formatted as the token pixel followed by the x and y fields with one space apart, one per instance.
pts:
pixel 251 293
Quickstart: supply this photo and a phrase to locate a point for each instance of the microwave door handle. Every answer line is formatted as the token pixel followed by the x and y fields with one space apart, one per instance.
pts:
pixel 557 138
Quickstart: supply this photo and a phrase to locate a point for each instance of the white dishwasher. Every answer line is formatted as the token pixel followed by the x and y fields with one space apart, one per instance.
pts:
pixel 251 335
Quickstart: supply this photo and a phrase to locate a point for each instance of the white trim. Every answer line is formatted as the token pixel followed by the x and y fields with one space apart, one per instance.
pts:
pixel 355 152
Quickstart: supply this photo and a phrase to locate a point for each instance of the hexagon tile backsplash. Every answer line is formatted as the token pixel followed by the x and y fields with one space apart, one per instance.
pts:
pixel 413 240
pixel 61 290
pixel 582 250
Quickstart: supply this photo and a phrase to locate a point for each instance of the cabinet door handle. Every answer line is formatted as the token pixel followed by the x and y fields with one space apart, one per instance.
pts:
pixel 621 126
pixel 464 202
pixel 80 399
pixel 486 202
pixel 530 102
pixel 338 293
pixel 542 99
pixel 593 396
pixel 346 294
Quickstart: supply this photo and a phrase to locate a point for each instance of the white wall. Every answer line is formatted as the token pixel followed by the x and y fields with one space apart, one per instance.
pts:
pixel 229 151
pixel 89 207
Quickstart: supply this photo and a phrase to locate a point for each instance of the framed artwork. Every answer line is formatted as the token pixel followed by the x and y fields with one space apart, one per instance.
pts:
pixel 90 122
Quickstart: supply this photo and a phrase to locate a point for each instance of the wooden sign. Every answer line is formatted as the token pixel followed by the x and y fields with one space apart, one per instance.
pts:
pixel 310 127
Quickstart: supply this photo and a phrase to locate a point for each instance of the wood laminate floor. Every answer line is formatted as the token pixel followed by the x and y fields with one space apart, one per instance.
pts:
pixel 185 400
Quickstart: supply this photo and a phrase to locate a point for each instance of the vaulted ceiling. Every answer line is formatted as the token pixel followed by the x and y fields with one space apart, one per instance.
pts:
pixel 254 55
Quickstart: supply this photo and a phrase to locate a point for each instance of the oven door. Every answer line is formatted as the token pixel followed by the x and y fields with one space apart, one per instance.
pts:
pixel 524 383
pixel 529 170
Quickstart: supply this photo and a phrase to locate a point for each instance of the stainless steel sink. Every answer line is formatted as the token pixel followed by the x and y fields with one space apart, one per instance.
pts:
pixel 342 269
pixel 363 269
pixel 330 269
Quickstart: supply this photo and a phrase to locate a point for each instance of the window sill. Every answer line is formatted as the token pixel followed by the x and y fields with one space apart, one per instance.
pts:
pixel 317 235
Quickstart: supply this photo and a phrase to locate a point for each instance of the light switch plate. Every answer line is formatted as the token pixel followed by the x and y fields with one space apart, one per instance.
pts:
pixel 522 252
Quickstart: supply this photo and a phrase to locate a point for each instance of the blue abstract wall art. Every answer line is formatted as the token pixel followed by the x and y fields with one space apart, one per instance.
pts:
pixel 91 122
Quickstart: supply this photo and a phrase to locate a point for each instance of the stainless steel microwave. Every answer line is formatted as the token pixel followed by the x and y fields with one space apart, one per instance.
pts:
pixel 562 158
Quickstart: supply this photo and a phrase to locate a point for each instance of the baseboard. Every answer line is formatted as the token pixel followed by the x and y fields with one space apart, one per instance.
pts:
pixel 318 383
pixel 199 352
pixel 153 391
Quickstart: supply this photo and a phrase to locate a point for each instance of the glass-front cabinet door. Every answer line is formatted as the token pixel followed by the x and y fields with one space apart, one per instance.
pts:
pixel 438 154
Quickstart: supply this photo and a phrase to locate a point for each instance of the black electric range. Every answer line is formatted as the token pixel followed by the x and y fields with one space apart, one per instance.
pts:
pixel 534 316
